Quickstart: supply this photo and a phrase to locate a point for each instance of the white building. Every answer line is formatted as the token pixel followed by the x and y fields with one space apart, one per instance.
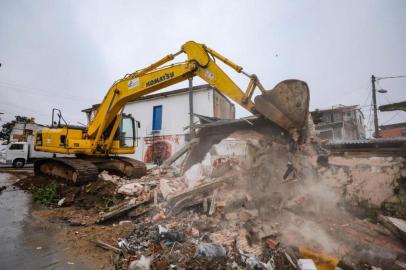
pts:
pixel 340 123
pixel 164 119
pixel 24 132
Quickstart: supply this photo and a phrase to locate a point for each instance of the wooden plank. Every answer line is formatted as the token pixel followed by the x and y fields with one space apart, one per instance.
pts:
pixel 122 210
pixel 202 189
pixel 197 195
pixel 107 246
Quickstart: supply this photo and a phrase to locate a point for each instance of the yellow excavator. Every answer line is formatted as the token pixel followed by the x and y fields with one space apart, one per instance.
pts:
pixel 111 133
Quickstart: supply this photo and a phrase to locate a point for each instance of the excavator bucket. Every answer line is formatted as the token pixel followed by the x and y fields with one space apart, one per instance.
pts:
pixel 287 105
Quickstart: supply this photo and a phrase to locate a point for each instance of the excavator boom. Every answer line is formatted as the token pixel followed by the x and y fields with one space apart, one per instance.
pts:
pixel 286 105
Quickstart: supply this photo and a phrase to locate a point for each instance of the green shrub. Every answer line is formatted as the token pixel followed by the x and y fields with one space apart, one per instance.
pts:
pixel 45 195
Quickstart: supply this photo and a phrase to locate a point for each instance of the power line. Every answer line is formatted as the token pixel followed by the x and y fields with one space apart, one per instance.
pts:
pixel 396 114
pixel 42 92
pixel 387 99
pixel 369 122
pixel 367 98
pixel 390 77
pixel 21 108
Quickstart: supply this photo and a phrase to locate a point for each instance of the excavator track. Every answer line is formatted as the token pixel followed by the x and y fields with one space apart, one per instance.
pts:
pixel 122 166
pixel 73 170
pixel 139 168
pixel 82 170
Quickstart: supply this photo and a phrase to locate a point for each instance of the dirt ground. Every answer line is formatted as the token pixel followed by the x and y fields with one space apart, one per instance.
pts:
pixel 76 230
pixel 98 194
pixel 74 226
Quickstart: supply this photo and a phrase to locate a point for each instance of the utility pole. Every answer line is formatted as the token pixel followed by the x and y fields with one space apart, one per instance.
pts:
pixel 373 79
pixel 191 128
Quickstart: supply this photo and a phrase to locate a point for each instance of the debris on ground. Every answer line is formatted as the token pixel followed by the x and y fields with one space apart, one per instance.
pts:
pixel 248 202
pixel 395 225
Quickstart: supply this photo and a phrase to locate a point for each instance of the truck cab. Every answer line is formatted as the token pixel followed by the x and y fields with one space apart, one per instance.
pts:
pixel 15 153
pixel 20 153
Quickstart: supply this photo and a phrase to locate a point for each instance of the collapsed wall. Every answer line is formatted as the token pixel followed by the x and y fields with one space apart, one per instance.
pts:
pixel 260 199
pixel 369 181
pixel 285 187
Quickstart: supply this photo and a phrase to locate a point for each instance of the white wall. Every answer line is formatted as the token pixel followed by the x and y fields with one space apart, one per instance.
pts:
pixel 175 116
pixel 19 130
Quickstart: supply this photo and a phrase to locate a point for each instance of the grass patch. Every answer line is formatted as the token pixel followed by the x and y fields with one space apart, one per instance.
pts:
pixel 45 195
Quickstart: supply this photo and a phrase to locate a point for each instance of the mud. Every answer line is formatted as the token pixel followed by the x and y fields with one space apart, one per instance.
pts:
pixel 27 241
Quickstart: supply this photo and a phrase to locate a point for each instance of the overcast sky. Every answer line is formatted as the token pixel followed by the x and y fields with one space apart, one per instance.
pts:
pixel 66 54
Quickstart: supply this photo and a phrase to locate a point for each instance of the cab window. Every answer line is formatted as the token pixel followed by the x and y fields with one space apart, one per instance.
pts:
pixel 16 146
pixel 127 133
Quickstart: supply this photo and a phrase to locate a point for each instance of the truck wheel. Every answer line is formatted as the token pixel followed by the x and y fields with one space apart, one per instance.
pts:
pixel 18 163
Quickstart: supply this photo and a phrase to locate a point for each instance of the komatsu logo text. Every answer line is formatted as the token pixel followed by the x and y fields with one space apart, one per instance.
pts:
pixel 164 77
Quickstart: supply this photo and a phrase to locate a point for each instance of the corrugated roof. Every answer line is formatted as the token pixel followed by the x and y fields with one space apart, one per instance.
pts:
pixel 393 107
pixel 396 125
pixel 339 107
pixel 368 141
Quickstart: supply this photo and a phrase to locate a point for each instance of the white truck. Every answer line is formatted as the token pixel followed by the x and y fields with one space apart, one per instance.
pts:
pixel 20 153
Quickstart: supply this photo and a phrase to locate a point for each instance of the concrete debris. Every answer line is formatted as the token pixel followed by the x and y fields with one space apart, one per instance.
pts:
pixel 181 152
pixel 306 264
pixel 105 176
pixel 395 225
pixel 211 250
pixel 194 176
pixel 144 263
pixel 131 189
pixel 61 201
pixel 170 186
pixel 250 202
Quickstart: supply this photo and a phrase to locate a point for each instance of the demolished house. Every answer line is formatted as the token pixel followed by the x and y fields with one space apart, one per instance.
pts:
pixel 244 196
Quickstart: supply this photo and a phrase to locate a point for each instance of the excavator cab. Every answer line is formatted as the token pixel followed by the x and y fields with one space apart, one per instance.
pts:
pixel 127 132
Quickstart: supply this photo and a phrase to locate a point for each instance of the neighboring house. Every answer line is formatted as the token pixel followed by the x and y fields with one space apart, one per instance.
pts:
pixel 393 130
pixel 164 119
pixel 24 132
pixel 340 123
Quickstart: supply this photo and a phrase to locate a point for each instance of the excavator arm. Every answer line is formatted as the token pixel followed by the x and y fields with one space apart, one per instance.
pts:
pixel 286 105
pixel 97 145
pixel 200 62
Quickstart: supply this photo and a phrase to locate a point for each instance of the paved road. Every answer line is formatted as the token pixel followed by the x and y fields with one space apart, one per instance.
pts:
pixel 26 244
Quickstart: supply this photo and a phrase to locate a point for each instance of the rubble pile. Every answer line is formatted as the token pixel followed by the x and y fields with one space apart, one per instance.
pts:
pixel 250 203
